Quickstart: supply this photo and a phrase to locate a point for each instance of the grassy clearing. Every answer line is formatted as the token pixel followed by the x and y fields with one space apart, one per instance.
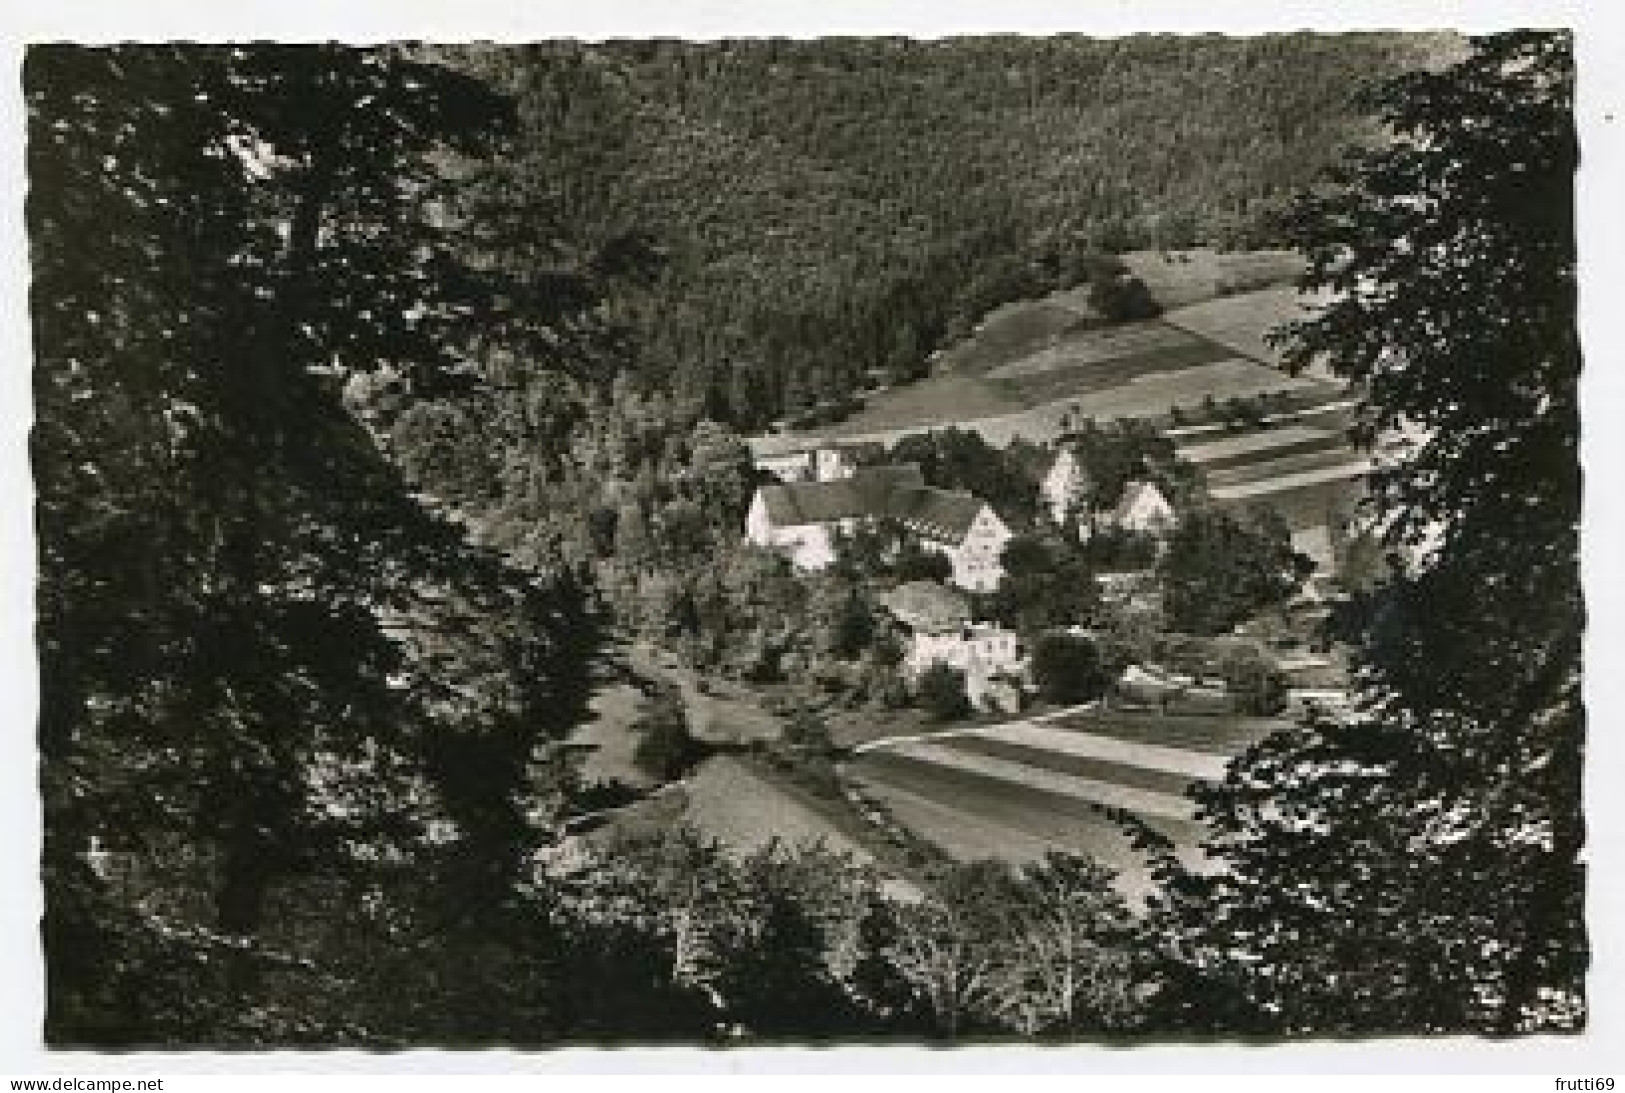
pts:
pixel 732 801
pixel 1036 362
pixel 1273 467
pixel 1178 279
pixel 1070 381
pixel 1152 395
pixel 1242 321
pixel 1012 332
pixel 1222 450
pixel 607 740
pixel 1100 792
pixel 1305 506
pixel 938 401
pixel 1101 346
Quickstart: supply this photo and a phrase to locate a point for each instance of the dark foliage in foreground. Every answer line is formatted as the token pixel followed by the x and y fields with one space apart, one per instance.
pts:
pixel 302 777
pixel 1419 870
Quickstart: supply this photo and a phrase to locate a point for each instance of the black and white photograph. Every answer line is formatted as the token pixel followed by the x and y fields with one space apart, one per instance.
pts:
pixel 855 539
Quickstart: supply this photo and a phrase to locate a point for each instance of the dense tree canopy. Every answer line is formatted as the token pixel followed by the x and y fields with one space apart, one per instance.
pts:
pixel 1220 569
pixel 824 212
pixel 1418 869
pixel 251 634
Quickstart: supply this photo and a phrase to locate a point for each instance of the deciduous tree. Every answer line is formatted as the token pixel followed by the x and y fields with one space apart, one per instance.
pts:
pixel 1419 869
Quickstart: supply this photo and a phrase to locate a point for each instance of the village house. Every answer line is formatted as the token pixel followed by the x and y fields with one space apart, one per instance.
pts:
pixel 938 621
pixel 800 519
pixel 1142 508
pixel 801 460
pixel 1063 488
pixel 813 464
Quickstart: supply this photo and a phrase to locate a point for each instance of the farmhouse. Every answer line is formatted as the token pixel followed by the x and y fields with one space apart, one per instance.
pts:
pixel 800 519
pixel 940 632
pixel 792 459
pixel 1142 509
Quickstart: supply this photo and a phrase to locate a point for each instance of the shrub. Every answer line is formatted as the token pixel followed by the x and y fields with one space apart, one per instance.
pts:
pixel 942 693
pixel 1067 669
pixel 667 750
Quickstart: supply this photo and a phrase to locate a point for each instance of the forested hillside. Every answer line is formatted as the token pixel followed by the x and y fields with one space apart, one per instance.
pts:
pixel 372 396
pixel 820 213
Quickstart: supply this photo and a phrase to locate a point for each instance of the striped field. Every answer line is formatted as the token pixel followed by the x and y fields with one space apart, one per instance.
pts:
pixel 1017 790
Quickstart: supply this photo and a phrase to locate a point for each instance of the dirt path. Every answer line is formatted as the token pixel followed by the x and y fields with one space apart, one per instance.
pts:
pixel 722 715
pixel 970 730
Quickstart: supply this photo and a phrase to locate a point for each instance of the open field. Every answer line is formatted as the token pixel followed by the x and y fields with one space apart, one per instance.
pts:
pixel 730 799
pixel 1015 790
pixel 971 815
pixel 1243 321
pixel 1086 767
pixel 1108 345
pixel 1046 778
pixel 1014 331
pixel 1305 502
pixel 1178 279
pixel 1152 395
pixel 722 714
pixel 1152 767
pixel 937 401
pixel 1225 736
pixel 1072 380
pixel 1035 366
pixel 734 803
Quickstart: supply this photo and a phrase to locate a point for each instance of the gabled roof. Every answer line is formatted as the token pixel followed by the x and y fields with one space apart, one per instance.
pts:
pixel 936 514
pixel 927 606
pixel 865 493
pixel 894 492
pixel 1133 493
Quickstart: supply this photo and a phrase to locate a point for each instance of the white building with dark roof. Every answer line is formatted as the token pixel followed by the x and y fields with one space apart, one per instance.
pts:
pixel 800 519
pixel 938 621
pixel 795 459
pixel 1143 509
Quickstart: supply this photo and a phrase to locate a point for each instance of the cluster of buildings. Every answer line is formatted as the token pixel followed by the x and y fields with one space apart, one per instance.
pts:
pixel 822 490
pixel 826 493
pixel 1142 508
pixel 938 621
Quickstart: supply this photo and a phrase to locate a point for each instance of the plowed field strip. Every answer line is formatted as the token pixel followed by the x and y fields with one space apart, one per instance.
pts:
pixel 1224 736
pixel 1069 821
pixel 1155 756
pixel 1138 801
pixel 1281 468
pixel 1156 781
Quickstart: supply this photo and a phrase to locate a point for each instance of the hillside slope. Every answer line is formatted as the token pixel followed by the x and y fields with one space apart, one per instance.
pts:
pixel 828 210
